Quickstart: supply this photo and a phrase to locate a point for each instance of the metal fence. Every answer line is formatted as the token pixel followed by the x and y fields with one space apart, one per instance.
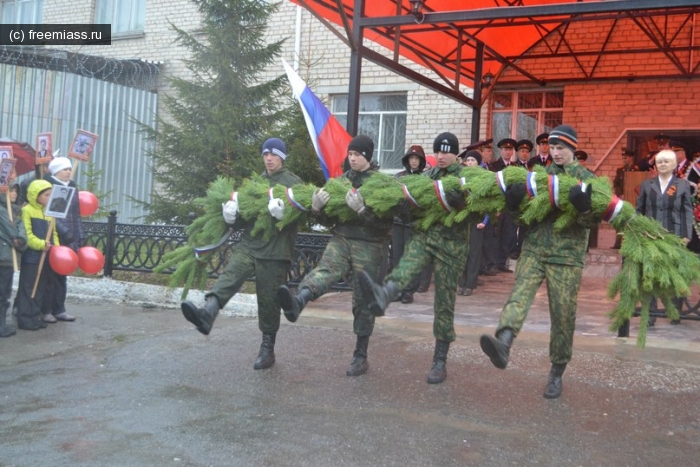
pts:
pixel 140 248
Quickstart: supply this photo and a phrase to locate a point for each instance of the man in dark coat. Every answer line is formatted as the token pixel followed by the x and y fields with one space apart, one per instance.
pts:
pixel 268 259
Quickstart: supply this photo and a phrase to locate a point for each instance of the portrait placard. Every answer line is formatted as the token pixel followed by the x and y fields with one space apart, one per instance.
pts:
pixel 82 146
pixel 7 167
pixel 59 202
pixel 6 152
pixel 44 148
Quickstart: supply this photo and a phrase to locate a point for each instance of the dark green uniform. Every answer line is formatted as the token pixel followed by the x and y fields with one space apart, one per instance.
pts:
pixel 269 260
pixel 446 248
pixel 557 257
pixel 356 245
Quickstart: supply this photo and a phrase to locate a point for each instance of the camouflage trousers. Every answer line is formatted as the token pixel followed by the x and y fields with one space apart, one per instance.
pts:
pixel 341 256
pixel 447 257
pixel 269 275
pixel 563 282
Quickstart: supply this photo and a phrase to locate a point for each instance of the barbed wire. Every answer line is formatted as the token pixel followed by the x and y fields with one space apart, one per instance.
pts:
pixel 134 73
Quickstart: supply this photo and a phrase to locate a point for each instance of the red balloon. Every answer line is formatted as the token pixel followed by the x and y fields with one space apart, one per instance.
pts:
pixel 63 260
pixel 90 259
pixel 88 203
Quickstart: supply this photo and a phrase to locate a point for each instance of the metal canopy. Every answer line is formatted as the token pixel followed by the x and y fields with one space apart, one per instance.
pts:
pixel 461 41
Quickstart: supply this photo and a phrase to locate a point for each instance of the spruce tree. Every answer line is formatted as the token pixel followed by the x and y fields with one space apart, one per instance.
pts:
pixel 218 116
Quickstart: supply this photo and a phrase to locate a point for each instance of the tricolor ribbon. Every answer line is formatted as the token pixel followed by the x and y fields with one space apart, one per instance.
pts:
pixel 501 182
pixel 269 194
pixel 553 183
pixel 293 202
pixel 440 192
pixel 613 209
pixel 531 185
pixel 408 196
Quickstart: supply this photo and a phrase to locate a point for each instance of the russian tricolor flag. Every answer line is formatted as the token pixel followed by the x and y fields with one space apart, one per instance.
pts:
pixel 329 137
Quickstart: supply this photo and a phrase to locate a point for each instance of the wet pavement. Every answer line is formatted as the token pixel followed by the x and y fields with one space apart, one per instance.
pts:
pixel 126 385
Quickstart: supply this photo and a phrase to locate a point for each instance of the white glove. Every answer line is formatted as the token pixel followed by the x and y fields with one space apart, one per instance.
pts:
pixel 230 209
pixel 319 199
pixel 354 201
pixel 276 208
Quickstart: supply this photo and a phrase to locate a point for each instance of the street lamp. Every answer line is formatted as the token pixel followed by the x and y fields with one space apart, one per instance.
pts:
pixel 417 10
pixel 487 80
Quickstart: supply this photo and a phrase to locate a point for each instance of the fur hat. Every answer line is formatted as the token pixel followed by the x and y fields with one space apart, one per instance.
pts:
pixel 564 134
pixel 58 164
pixel 276 146
pixel 362 144
pixel 446 142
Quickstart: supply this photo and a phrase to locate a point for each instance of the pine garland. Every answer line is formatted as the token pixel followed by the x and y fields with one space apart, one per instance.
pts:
pixel 253 198
pixel 205 230
pixel 336 208
pixel 656 262
pixel 298 210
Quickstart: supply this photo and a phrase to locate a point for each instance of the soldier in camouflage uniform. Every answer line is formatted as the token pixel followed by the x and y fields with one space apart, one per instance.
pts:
pixel 357 245
pixel 554 256
pixel 269 260
pixel 444 247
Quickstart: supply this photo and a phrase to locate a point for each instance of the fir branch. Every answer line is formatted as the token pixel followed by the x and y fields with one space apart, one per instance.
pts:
pixel 253 199
pixel 206 229
pixel 302 195
pixel 336 208
pixel 383 194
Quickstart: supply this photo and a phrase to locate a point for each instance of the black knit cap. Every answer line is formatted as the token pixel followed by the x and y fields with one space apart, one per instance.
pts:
pixel 475 154
pixel 564 134
pixel 446 142
pixel 362 144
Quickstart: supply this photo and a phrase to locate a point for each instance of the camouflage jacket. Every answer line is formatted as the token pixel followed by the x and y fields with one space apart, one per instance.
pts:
pixel 458 233
pixel 367 226
pixel 568 246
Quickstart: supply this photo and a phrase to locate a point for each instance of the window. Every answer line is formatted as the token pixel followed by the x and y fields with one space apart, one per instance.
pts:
pixel 383 118
pixel 21 11
pixel 524 115
pixel 125 16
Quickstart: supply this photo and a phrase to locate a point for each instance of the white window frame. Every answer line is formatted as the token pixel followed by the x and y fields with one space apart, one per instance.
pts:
pixel 112 11
pixel 11 10
pixel 378 136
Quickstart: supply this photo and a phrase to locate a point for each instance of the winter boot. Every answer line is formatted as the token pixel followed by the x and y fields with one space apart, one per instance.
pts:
pixel 293 304
pixel 678 303
pixel 498 348
pixel 6 330
pixel 359 364
pixel 378 296
pixel 202 318
pixel 624 330
pixel 438 372
pixel 266 357
pixel 554 384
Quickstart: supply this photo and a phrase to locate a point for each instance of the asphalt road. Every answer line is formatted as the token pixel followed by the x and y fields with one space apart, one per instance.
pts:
pixel 131 386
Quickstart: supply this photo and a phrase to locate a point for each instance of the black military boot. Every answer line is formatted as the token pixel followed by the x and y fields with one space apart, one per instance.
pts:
pixel 292 304
pixel 624 330
pixel 554 383
pixel 266 356
pixel 359 364
pixel 678 303
pixel 438 372
pixel 6 330
pixel 378 296
pixel 498 348
pixel 204 317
